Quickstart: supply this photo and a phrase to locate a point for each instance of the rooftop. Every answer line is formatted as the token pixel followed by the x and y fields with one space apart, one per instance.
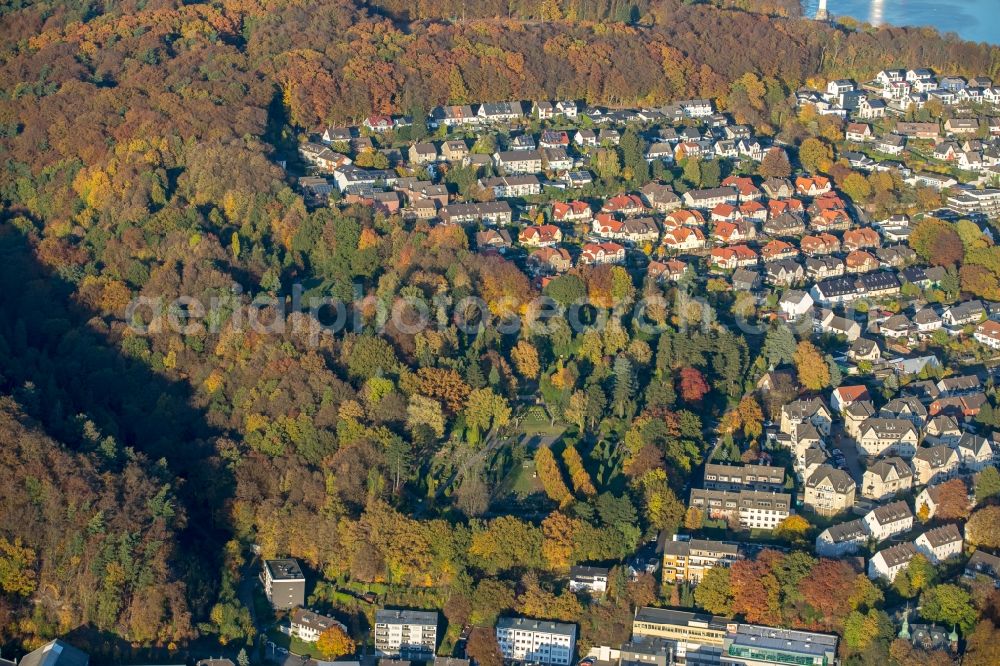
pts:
pixel 284 569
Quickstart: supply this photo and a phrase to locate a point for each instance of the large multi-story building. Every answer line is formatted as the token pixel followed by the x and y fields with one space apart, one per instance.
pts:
pixel 755 645
pixel 536 641
pixel 687 561
pixel 284 583
pixel 751 508
pixel 695 638
pixel 744 477
pixel 829 491
pixel 888 520
pixel 886 478
pixel 406 634
pixel 976 201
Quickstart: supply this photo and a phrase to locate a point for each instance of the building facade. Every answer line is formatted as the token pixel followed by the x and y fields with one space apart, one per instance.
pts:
pixel 284 583
pixel 406 634
pixel 536 641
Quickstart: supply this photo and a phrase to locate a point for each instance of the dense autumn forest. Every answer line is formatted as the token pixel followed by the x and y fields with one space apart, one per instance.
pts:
pixel 138 140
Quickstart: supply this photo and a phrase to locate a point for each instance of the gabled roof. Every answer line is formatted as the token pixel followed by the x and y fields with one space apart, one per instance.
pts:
pixel 838 478
pixel 941 536
pixel 849 531
pixel 897 555
pixel 889 467
pixel 891 513
pixel 935 456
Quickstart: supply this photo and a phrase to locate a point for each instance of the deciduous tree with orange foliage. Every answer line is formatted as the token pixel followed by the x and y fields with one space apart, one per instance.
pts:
pixel 551 477
pixel 693 385
pixel 334 642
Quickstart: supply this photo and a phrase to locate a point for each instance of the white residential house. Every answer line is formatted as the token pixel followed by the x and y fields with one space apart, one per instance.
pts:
pixel 590 579
pixel 888 520
pixel 975 452
pixel 307 625
pixel 888 563
pixel 806 410
pixel 940 543
pixel 988 334
pixel 841 539
pixel 795 304
pixel 942 429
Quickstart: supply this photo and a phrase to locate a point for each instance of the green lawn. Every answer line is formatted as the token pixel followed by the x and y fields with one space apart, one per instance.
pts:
pixel 521 481
pixel 290 643
pixel 536 422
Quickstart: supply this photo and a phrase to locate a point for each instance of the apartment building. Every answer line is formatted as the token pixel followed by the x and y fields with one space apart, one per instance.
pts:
pixel 284 583
pixel 879 436
pixel 886 478
pixel 935 464
pixel 888 563
pixel 940 543
pixel 888 520
pixel 842 539
pixel 406 634
pixel 696 638
pixel 536 641
pixel 986 201
pixel 744 477
pixel 752 509
pixel 688 561
pixel 829 491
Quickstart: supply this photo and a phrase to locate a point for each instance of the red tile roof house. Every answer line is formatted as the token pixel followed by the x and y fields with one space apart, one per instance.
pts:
pixel 624 204
pixel 844 396
pixel 734 232
pixel 828 201
pixel 754 210
pixel 574 211
pixel 812 187
pixel 672 269
pixel 730 258
pixel 856 239
pixel 819 244
pixel 831 220
pixel 688 218
pixel 684 238
pixel 540 236
pixel 602 253
pixel 778 249
pixel 860 261
pixel 603 224
pixel 725 213
pixel 858 132
pixel 778 207
pixel 744 185
pixel 556 259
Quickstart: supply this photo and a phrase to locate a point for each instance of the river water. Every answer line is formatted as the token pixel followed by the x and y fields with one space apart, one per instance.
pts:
pixel 975 20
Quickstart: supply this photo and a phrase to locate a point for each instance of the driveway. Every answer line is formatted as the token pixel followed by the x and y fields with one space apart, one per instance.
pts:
pixel 841 441
pixel 282 657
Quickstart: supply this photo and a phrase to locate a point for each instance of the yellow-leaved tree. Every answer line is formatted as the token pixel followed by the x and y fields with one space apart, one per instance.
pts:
pixel 334 642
